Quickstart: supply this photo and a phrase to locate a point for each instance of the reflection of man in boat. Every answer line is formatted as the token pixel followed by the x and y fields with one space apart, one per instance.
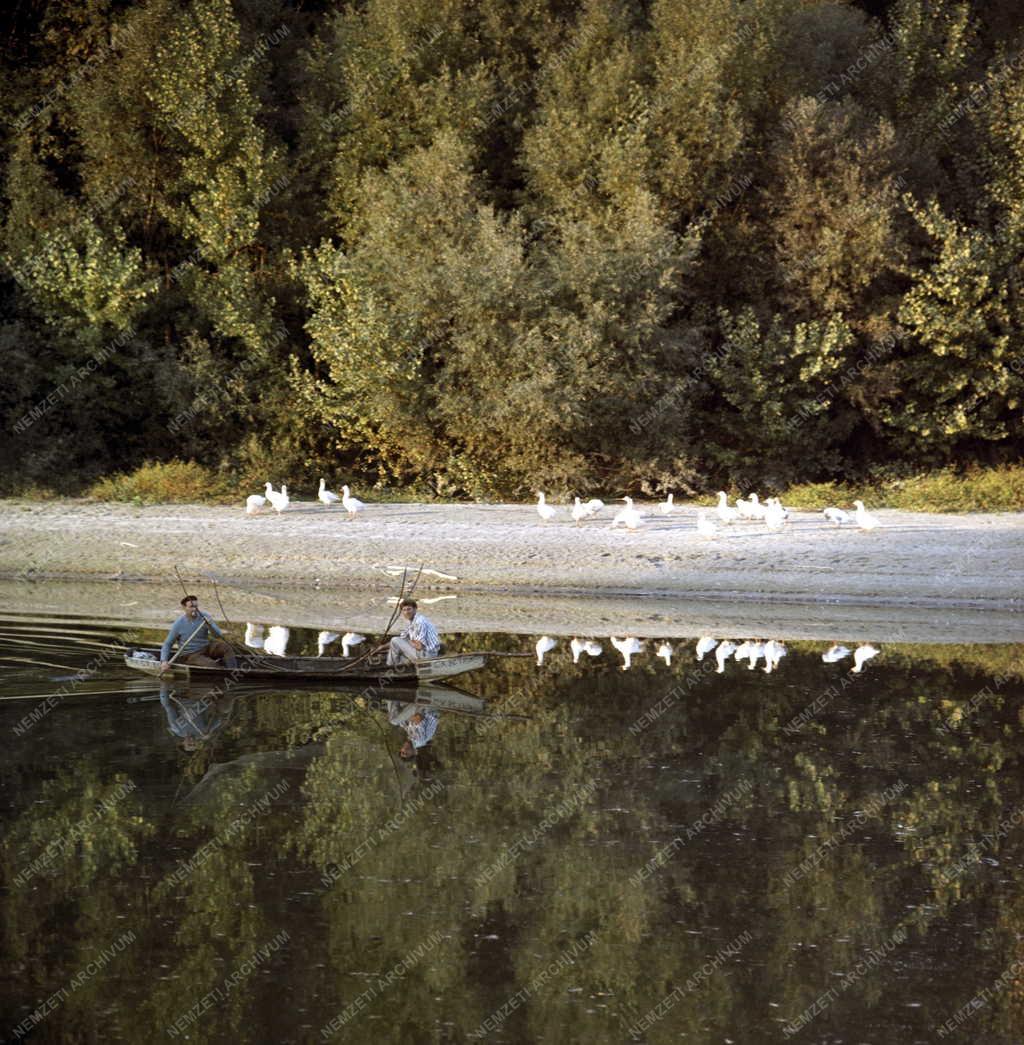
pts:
pixel 419 723
pixel 194 720
pixel 192 633
pixel 418 639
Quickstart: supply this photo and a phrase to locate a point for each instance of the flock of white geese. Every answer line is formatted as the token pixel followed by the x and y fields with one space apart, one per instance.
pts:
pixel 753 651
pixel 749 509
pixel 279 499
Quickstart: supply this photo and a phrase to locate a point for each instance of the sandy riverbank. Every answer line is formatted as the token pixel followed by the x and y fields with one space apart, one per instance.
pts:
pixel 934 563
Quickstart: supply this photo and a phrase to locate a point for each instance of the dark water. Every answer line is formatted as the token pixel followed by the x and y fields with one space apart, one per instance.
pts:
pixel 659 854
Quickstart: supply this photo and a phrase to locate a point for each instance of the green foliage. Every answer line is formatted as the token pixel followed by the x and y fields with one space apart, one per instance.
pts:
pixel 470 248
pixel 171 482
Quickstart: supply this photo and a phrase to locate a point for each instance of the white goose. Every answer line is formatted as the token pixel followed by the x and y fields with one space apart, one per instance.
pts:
pixel 666 506
pixel 351 504
pixel 592 648
pixel 279 500
pixel 253 503
pixel 725 650
pixel 544 645
pixel 628 516
pixel 861 655
pixel 665 652
pixel 751 508
pixel 585 511
pixel 325 496
pixel 863 518
pixel 254 636
pixel 705 527
pixel 774 514
pixel 705 645
pixel 835 653
pixel 836 516
pixel 545 510
pixel 628 647
pixel 726 514
pixel 577 646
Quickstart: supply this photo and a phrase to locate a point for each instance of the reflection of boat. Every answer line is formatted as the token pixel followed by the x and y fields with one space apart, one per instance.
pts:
pixel 370 668
pixel 444 698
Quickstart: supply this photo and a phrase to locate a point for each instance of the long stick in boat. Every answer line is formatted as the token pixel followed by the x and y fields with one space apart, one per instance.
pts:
pixel 237 646
pixel 186 642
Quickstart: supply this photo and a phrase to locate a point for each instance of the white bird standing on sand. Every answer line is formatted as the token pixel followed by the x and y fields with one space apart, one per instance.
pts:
pixel 627 647
pixel 864 519
pixel 666 506
pixel 253 503
pixel 725 513
pixel 835 653
pixel 774 651
pixel 325 496
pixel 544 645
pixel 349 639
pixel 323 640
pixel 276 641
pixel 725 650
pixel 836 516
pixel 705 645
pixel 774 514
pixel 351 504
pixel 279 500
pixel 585 511
pixel 254 636
pixel 705 527
pixel 628 516
pixel 751 508
pixel 861 655
pixel 665 652
pixel 545 510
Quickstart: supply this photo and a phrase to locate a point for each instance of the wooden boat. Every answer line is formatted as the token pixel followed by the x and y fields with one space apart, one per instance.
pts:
pixel 370 668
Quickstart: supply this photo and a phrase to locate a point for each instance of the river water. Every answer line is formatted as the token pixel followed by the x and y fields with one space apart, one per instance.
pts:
pixel 581 852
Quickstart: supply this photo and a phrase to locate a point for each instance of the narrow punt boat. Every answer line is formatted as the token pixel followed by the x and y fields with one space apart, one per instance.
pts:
pixel 372 667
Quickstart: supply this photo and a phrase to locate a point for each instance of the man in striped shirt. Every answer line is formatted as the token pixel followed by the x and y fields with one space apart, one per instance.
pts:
pixel 418 638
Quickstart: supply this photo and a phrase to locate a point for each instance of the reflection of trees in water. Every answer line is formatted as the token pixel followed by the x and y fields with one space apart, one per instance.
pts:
pixel 501 929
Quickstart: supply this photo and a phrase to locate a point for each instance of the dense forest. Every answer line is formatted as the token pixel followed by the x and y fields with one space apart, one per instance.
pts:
pixel 469 246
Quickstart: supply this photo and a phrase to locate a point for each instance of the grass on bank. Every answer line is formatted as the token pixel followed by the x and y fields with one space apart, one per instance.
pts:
pixel 979 490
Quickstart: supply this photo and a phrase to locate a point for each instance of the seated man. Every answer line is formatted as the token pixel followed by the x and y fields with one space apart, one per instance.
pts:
pixel 418 638
pixel 192 633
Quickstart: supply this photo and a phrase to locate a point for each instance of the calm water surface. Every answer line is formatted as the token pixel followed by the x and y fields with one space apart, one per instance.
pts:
pixel 582 854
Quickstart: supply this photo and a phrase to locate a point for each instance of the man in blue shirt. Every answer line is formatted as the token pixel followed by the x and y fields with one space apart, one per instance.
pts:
pixel 192 633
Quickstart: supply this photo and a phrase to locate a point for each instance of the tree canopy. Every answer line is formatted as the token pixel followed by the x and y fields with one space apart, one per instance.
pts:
pixel 469 248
